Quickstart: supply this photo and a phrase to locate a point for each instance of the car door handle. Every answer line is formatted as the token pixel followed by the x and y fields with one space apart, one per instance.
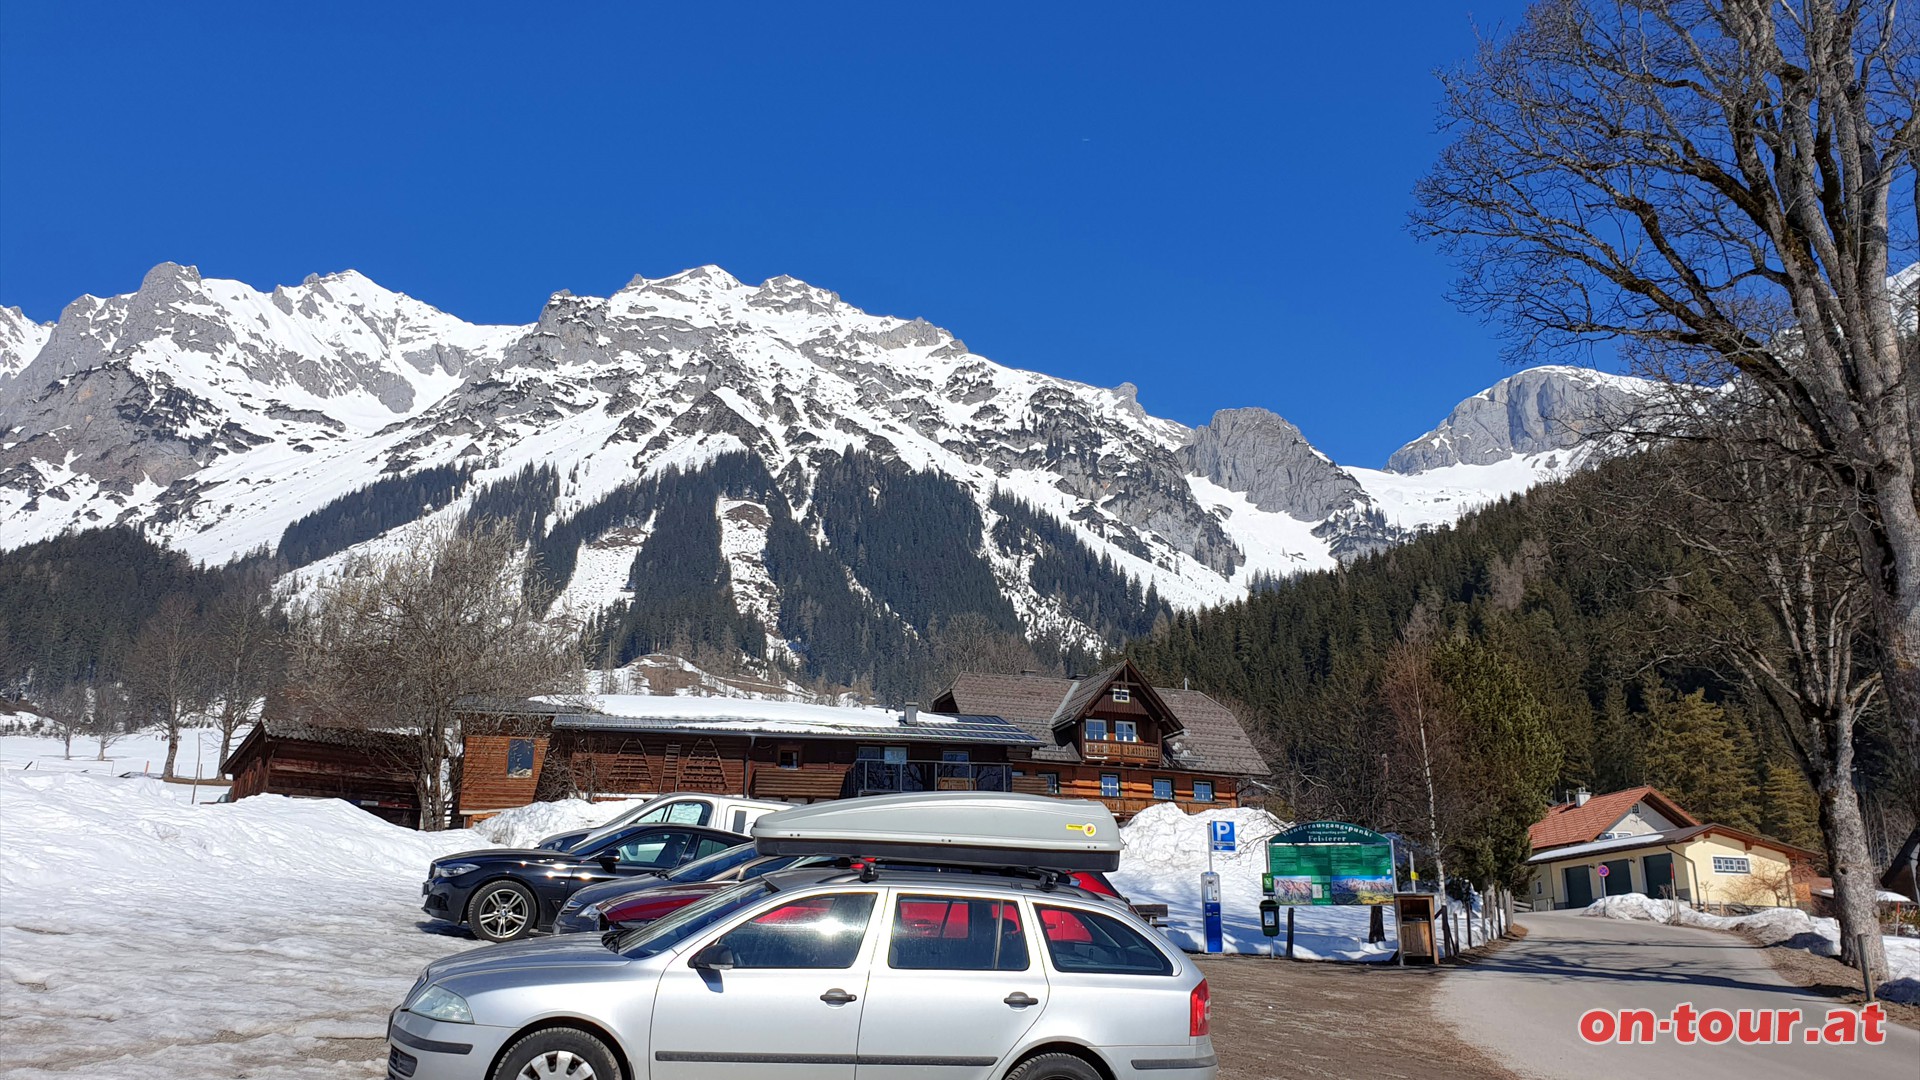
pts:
pixel 837 996
pixel 1020 1000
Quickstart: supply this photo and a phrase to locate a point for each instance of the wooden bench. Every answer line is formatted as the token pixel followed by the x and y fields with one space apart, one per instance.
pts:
pixel 1155 914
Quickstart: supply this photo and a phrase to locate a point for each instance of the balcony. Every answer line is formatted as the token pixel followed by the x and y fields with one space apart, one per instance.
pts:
pixel 1125 753
pixel 1126 808
pixel 879 777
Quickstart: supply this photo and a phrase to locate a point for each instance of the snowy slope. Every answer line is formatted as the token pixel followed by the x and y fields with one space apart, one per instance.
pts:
pixel 213 415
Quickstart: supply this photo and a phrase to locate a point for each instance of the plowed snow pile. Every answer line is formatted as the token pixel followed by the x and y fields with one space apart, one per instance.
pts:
pixel 1790 927
pixel 144 938
pixel 1165 854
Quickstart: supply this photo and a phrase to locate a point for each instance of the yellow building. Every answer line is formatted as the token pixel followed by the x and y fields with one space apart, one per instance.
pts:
pixel 1640 841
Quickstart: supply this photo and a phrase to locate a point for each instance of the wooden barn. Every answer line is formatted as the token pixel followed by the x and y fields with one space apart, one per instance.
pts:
pixel 637 745
pixel 371 770
pixel 1114 737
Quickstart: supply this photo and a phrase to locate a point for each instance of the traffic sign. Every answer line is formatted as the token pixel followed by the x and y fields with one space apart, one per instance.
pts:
pixel 1223 838
pixel 1603 870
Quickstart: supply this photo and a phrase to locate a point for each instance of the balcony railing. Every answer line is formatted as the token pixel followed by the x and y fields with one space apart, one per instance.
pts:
pixel 1137 753
pixel 877 777
pixel 1130 807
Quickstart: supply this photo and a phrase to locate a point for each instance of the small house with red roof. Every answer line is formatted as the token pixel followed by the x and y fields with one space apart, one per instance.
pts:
pixel 1641 841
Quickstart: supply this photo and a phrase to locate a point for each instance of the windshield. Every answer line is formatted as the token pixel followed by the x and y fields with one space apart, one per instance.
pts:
pixel 655 810
pixel 662 934
pixel 715 864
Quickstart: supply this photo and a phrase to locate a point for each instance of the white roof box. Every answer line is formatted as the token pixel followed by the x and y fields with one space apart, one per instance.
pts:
pixel 975 828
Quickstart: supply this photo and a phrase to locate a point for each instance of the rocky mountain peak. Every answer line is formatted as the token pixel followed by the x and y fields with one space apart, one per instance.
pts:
pixel 169 274
pixel 1536 411
pixel 1259 453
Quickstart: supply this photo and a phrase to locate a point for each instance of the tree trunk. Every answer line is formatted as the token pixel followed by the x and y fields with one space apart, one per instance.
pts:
pixel 173 745
pixel 1855 884
pixel 1891 558
pixel 1433 815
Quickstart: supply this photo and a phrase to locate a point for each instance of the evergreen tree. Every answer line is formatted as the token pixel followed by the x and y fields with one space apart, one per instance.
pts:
pixel 1696 755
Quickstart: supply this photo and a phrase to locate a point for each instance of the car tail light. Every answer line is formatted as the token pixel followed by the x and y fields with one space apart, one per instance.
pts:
pixel 1199 1010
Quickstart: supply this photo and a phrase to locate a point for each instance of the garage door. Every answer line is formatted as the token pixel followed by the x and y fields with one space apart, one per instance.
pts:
pixel 1619 877
pixel 1579 886
pixel 1657 872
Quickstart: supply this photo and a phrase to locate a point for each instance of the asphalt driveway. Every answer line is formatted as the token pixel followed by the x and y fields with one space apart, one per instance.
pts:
pixel 1522 1005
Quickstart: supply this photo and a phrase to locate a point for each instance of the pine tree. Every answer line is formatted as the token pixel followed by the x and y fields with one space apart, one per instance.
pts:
pixel 1789 810
pixel 1696 755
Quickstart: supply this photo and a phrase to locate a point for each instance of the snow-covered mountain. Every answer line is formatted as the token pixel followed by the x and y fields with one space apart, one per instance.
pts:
pixel 214 416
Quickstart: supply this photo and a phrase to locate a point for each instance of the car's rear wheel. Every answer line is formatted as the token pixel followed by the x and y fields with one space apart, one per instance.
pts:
pixel 501 911
pixel 557 1054
pixel 1054 1067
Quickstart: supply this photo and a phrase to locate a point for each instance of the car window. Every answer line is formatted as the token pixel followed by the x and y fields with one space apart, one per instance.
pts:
pixel 715 863
pixel 707 845
pixel 817 932
pixel 950 933
pixel 1087 942
pixel 662 934
pixel 654 850
pixel 684 812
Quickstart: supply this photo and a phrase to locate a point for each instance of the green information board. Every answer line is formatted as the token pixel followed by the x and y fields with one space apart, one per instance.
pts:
pixel 1331 862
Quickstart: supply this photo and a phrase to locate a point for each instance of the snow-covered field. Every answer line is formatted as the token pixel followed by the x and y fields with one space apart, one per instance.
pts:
pixel 1777 926
pixel 141 752
pixel 141 937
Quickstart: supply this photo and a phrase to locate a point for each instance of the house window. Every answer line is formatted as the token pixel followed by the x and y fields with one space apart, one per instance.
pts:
pixel 1203 791
pixel 519 757
pixel 1162 788
pixel 789 757
pixel 1109 785
pixel 1096 731
pixel 1126 731
pixel 892 755
pixel 1122 695
pixel 1052 780
pixel 953 755
pixel 1732 864
pixel 1539 887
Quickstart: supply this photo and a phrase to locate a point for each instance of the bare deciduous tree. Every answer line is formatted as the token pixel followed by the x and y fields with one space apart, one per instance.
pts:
pixel 1424 740
pixel 70 710
pixel 167 671
pixel 110 717
pixel 1720 187
pixel 396 642
pixel 1772 596
pixel 242 651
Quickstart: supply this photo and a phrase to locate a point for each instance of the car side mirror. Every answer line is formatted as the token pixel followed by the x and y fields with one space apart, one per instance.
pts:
pixel 608 860
pixel 712 958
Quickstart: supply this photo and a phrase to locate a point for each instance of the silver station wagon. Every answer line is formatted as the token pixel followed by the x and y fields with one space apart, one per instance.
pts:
pixel 825 973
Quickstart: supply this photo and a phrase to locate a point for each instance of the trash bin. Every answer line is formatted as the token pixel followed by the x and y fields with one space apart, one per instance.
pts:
pixel 1413 922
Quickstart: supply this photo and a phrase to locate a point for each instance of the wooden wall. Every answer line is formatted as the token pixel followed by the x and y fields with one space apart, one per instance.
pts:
pixel 484 783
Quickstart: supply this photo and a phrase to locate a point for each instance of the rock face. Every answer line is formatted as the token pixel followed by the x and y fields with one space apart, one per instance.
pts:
pixel 1536 411
pixel 1257 452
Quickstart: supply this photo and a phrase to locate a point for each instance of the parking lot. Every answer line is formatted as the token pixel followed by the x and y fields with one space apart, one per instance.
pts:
pixel 1278 1018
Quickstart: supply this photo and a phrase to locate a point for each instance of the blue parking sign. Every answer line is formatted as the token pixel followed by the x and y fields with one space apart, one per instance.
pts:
pixel 1223 839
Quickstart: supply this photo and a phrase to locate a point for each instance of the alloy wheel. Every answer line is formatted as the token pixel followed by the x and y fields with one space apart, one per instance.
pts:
pixel 557 1065
pixel 503 914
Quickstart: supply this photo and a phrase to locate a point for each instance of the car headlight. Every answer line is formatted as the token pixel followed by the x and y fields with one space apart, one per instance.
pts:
pixel 438 1003
pixel 454 869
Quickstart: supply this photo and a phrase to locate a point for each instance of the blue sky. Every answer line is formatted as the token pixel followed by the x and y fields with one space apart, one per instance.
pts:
pixel 1208 202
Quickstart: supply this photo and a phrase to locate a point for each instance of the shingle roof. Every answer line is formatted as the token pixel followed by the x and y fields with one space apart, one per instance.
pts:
pixel 1662 839
pixel 1213 741
pixel 1567 823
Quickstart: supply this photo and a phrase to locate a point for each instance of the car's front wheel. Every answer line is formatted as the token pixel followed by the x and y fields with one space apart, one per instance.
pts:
pixel 557 1054
pixel 501 911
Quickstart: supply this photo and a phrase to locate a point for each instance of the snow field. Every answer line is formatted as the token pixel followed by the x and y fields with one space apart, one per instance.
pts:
pixel 1774 926
pixel 145 938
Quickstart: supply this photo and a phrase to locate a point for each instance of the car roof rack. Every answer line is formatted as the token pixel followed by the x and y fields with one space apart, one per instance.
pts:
pixel 977 829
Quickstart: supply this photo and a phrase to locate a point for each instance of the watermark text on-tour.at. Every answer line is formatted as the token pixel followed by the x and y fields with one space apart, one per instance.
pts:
pixel 1686 1025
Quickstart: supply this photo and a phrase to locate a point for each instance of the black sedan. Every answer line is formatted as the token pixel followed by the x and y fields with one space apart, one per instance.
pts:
pixel 506 893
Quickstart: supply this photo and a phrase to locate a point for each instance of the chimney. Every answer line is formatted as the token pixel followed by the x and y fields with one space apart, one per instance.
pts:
pixel 912 713
pixel 1580 797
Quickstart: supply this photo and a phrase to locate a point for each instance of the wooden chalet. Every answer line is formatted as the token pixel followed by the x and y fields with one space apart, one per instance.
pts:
pixel 371 770
pixel 638 745
pixel 1114 737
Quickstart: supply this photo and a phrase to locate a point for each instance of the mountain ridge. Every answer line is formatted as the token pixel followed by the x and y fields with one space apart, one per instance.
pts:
pixel 212 415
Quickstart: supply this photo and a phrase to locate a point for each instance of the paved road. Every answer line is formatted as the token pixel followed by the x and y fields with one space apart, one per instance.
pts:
pixel 1523 1004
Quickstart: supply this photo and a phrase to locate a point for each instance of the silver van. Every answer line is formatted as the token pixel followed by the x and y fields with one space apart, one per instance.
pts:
pixel 817 973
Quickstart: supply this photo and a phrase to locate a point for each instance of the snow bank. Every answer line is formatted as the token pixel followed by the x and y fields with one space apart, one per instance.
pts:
pixel 1164 854
pixel 141 937
pixel 525 826
pixel 1790 927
